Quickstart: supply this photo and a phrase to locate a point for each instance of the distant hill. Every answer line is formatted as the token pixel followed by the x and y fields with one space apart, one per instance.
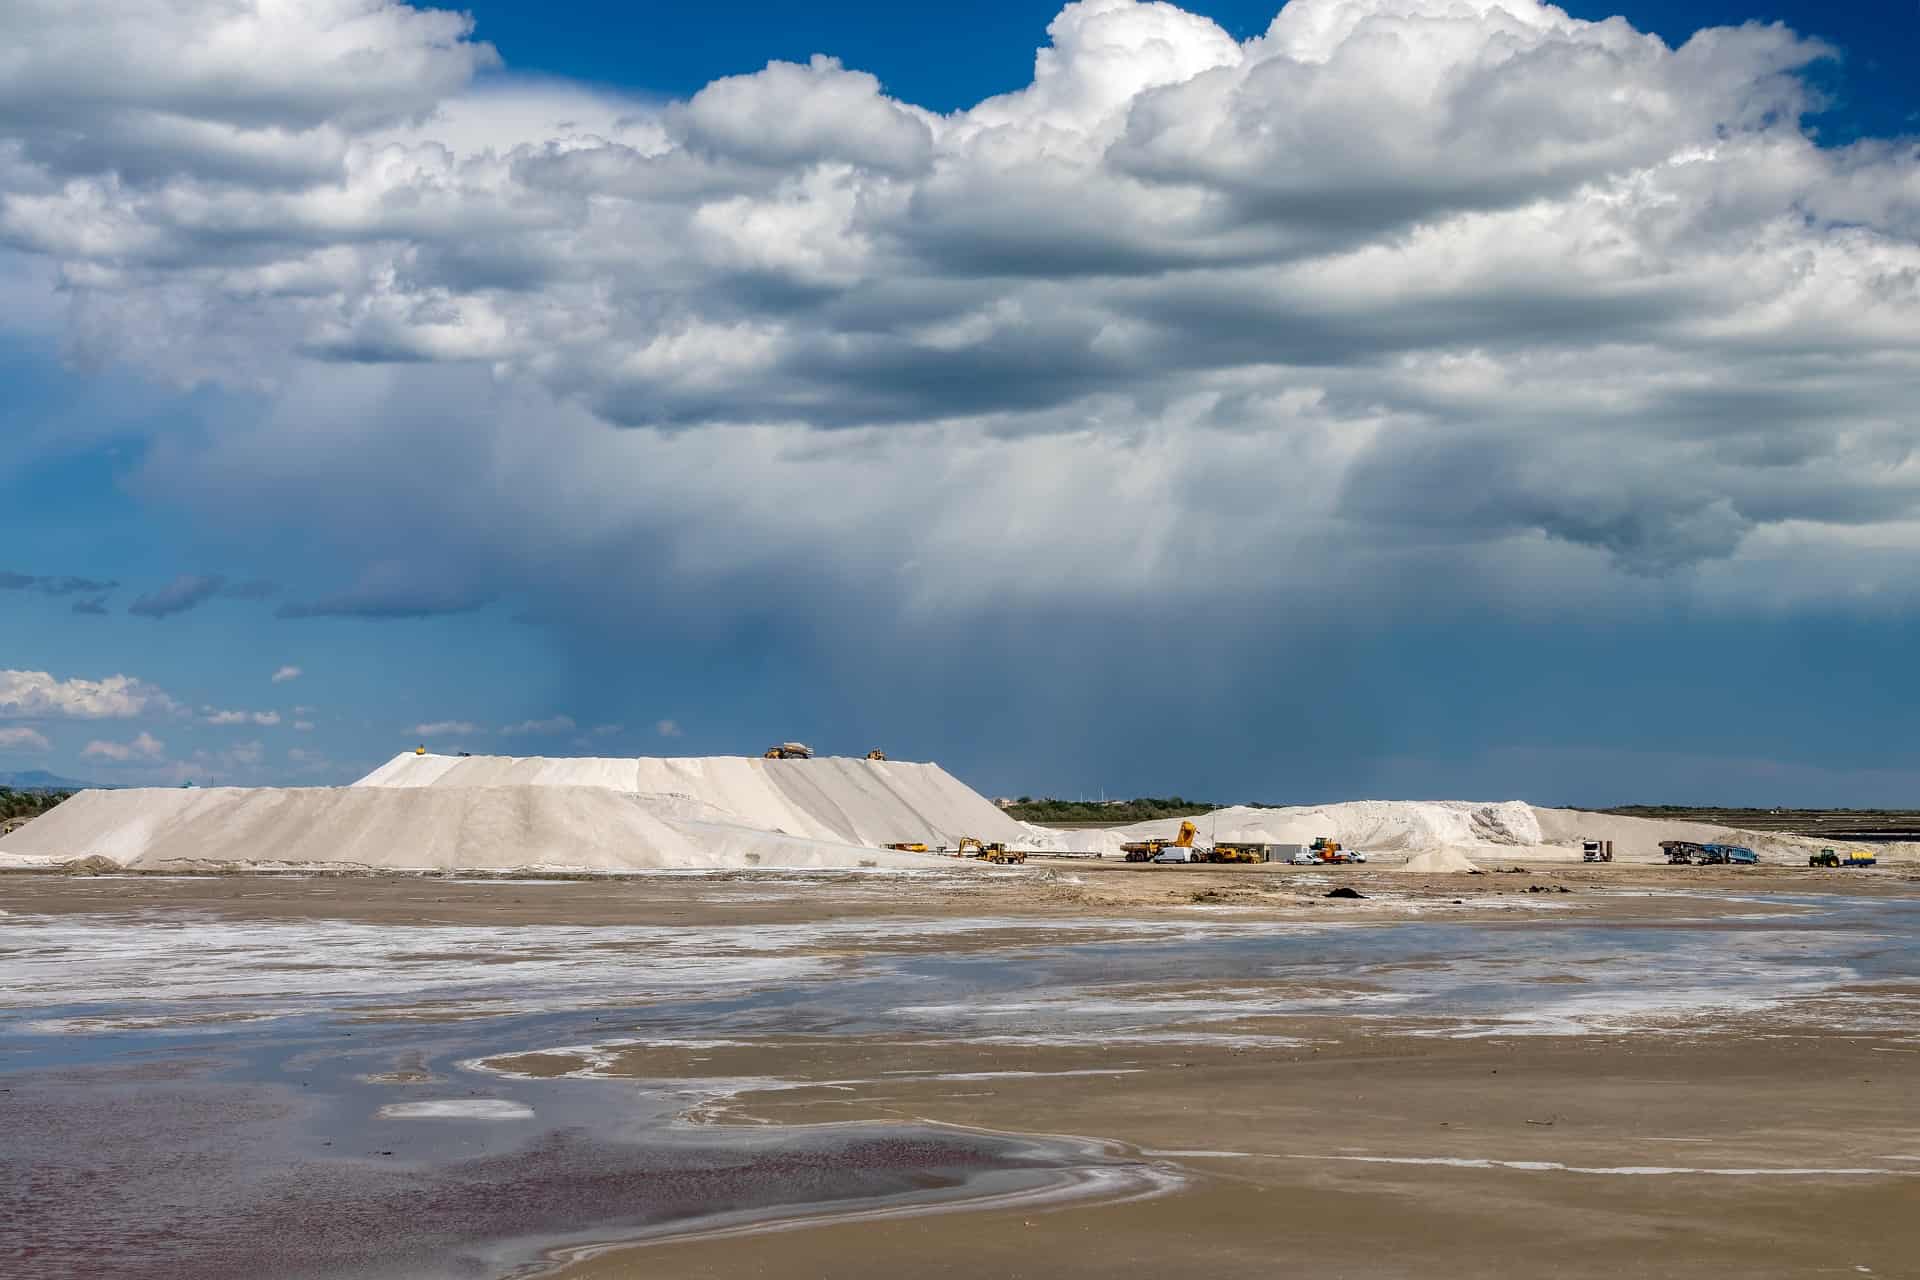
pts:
pixel 1103 812
pixel 41 780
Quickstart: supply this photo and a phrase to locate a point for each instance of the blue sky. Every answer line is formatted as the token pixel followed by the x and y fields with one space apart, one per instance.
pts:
pixel 677 49
pixel 1553 442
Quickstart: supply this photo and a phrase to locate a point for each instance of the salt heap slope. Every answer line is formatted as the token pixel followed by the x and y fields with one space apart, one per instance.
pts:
pixel 1377 826
pixel 485 814
pixel 862 802
pixel 1453 832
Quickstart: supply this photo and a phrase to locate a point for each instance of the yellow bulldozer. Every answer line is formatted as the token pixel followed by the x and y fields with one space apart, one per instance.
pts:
pixel 1235 853
pixel 788 751
pixel 876 754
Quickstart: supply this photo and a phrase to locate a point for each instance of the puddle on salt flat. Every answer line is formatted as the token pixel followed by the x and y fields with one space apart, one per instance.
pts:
pixel 233 1098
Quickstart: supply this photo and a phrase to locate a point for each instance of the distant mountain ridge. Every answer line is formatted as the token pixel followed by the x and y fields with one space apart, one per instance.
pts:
pixel 41 780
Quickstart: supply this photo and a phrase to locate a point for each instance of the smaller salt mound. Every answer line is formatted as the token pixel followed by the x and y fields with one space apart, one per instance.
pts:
pixel 1439 862
pixel 1376 826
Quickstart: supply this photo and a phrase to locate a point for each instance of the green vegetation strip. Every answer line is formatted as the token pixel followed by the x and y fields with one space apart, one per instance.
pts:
pixel 27 804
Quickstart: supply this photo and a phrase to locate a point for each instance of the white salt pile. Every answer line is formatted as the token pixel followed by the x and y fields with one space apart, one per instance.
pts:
pixel 863 802
pixel 1412 827
pixel 1440 862
pixel 497 814
pixel 1377 826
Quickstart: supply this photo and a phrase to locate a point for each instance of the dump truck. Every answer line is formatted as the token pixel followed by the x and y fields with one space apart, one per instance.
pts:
pixel 788 751
pixel 914 846
pixel 1148 850
pixel 1596 851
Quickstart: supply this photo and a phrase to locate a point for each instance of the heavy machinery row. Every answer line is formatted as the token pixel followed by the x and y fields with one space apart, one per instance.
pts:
pixel 1178 848
pixel 1324 851
pixel 1181 848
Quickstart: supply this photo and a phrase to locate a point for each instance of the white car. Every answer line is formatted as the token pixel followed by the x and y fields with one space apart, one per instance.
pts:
pixel 1354 855
pixel 1303 860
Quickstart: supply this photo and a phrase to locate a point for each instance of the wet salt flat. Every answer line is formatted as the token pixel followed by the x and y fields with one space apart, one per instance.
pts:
pixel 204 976
pixel 301 1042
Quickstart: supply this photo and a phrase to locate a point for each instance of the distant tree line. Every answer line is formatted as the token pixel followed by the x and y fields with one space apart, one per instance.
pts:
pixel 28 804
pixel 1139 809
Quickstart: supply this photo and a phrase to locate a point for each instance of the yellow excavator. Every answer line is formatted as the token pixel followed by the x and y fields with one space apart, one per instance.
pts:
pixel 995 852
pixel 1148 850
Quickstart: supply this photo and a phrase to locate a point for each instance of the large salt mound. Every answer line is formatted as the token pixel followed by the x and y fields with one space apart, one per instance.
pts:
pixel 499 813
pixel 440 828
pixel 862 802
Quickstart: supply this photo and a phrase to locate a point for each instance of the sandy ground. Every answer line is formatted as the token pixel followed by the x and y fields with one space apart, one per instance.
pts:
pixel 1280 1151
pixel 1303 1129
pixel 1045 886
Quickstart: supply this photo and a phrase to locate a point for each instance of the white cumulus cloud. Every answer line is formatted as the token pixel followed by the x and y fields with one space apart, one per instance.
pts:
pixel 37 695
pixel 1403 292
pixel 284 674
pixel 143 749
pixel 444 729
pixel 21 739
pixel 550 725
pixel 263 719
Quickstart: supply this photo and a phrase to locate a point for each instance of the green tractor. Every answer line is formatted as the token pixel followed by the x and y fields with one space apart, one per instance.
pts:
pixel 1824 858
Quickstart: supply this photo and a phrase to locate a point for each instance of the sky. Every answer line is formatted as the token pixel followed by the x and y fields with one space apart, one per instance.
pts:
pixel 1362 398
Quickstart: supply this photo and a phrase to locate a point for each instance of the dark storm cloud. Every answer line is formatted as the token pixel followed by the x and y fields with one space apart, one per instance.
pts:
pixel 184 593
pixel 53 586
pixel 257 589
pixel 389 604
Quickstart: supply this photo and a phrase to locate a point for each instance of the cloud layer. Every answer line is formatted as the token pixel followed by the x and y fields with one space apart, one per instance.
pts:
pixel 1433 295
pixel 37 695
